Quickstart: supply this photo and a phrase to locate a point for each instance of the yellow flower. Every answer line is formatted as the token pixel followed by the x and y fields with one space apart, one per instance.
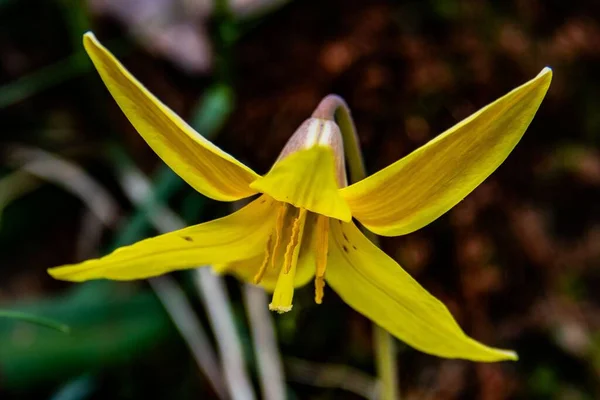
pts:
pixel 301 226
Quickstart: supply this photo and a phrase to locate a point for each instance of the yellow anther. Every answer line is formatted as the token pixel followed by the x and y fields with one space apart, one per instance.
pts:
pixel 322 243
pixel 278 231
pixel 322 239
pixel 263 267
pixel 294 240
pixel 319 289
pixel 271 247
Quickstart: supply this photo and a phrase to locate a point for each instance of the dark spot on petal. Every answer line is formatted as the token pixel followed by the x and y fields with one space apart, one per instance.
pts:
pixel 345 248
pixel 339 221
pixel 263 201
pixel 345 237
pixel 187 238
pixel 354 247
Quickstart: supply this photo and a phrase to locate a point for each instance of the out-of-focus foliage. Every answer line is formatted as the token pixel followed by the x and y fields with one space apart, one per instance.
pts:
pixel 517 261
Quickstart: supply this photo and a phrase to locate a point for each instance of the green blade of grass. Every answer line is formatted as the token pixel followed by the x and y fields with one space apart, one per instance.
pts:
pixel 44 78
pixel 34 319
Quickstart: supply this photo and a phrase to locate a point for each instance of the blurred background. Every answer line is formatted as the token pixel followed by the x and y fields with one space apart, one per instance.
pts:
pixel 517 262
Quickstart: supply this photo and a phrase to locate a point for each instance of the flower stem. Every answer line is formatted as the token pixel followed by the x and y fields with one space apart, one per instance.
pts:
pixel 387 365
pixel 333 107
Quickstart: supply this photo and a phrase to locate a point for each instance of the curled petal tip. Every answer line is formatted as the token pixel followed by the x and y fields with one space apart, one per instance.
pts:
pixel 64 274
pixel 546 71
pixel 511 355
pixel 89 35
pixel 500 355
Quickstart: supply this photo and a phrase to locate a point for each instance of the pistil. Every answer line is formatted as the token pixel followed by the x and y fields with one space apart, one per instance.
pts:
pixel 284 289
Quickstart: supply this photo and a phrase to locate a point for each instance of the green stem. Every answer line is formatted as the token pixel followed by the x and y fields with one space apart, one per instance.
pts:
pixel 335 108
pixel 387 365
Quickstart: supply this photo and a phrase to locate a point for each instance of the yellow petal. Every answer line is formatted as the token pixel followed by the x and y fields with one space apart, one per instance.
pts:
pixel 200 163
pixel 422 186
pixel 234 237
pixel 306 179
pixel 374 285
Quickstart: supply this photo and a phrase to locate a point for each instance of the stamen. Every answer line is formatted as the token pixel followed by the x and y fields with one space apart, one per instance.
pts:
pixel 284 289
pixel 294 241
pixel 263 267
pixel 319 289
pixel 278 231
pixel 271 252
pixel 322 239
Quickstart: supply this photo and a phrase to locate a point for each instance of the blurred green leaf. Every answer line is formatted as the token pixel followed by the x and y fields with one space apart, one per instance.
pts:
pixel 52 75
pixel 44 78
pixel 34 319
pixel 212 111
pixel 75 12
pixel 110 324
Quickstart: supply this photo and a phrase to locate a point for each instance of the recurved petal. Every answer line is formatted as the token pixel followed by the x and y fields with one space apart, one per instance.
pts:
pixel 422 186
pixel 200 163
pixel 237 236
pixel 374 285
pixel 306 179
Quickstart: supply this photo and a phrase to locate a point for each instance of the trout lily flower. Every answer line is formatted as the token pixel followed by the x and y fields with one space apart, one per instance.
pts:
pixel 301 227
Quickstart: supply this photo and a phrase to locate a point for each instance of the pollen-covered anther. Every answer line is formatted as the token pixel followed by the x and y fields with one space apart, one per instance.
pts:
pixel 281 213
pixel 322 242
pixel 263 267
pixel 294 241
pixel 319 289
pixel 272 245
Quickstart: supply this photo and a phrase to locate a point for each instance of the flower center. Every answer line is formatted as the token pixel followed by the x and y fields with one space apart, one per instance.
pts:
pixel 290 224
